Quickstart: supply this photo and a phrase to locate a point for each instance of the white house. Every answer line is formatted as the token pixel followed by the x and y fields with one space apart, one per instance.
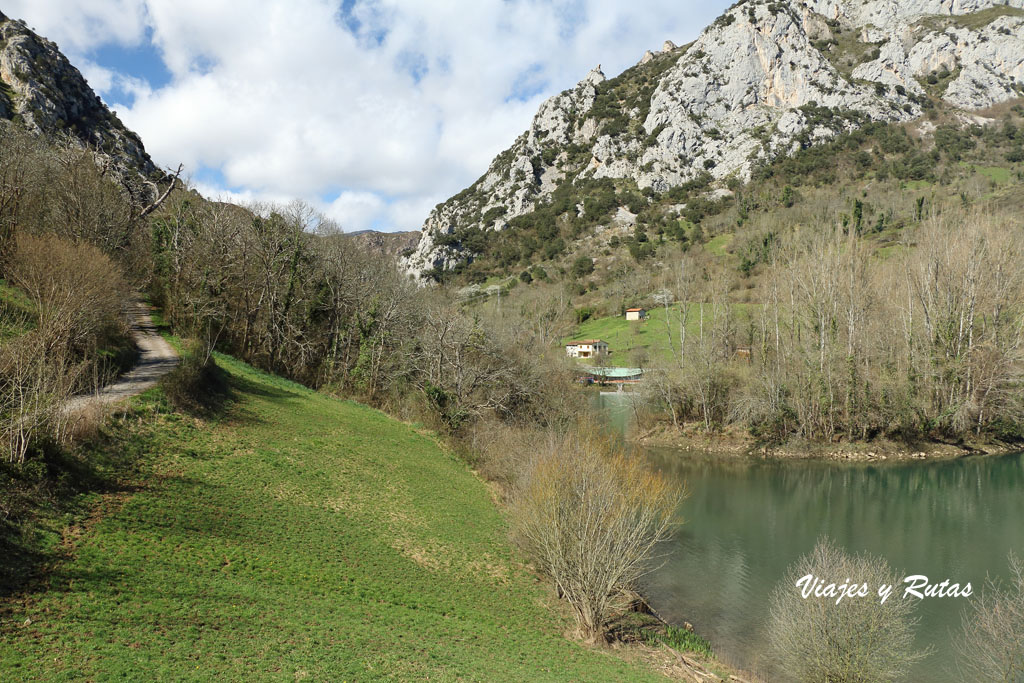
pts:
pixel 588 348
pixel 636 314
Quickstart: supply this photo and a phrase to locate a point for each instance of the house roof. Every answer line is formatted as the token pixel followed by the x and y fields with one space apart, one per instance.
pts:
pixel 634 310
pixel 586 341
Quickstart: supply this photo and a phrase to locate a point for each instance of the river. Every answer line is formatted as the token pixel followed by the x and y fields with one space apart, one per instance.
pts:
pixel 746 519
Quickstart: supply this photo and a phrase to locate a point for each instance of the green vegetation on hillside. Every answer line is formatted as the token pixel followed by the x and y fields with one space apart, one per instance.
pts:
pixel 972 21
pixel 885 159
pixel 652 341
pixel 16 311
pixel 297 536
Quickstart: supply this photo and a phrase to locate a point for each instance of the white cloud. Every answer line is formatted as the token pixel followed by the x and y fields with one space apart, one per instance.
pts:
pixel 78 26
pixel 396 104
pixel 356 208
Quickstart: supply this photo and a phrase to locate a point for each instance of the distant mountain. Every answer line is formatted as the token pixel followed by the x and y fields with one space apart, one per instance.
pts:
pixel 763 81
pixel 389 243
pixel 42 91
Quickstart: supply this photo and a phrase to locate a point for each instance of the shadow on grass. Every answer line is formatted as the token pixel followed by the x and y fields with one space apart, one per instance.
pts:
pixel 31 562
pixel 240 387
pixel 58 490
pixel 39 497
pixel 20 561
pixel 263 390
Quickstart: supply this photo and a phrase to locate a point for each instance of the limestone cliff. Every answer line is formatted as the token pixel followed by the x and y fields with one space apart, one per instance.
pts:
pixel 766 78
pixel 42 91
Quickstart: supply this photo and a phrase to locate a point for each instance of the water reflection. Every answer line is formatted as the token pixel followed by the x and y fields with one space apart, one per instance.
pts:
pixel 747 519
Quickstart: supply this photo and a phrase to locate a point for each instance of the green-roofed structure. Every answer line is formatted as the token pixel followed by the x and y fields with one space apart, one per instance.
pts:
pixel 595 375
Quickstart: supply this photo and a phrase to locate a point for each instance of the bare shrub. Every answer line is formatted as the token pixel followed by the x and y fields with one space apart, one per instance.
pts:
pixel 590 516
pixel 991 647
pixel 85 423
pixel 77 290
pixel 33 388
pixel 501 452
pixel 197 384
pixel 859 639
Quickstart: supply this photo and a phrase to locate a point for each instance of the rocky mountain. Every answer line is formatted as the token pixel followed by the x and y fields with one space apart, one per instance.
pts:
pixel 391 244
pixel 42 91
pixel 766 79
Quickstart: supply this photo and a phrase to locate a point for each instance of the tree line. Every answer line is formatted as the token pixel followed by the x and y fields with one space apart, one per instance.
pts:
pixel 924 340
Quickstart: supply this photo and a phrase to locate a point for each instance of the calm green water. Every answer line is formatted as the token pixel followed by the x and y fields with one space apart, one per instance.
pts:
pixel 747 519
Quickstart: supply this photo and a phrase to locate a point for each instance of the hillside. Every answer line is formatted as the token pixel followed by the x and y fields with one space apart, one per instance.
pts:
pixel 766 80
pixel 297 536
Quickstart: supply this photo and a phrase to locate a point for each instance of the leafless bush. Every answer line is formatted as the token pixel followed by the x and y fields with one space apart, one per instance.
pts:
pixel 33 389
pixel 859 639
pixel 85 423
pixel 501 452
pixel 76 292
pixel 591 516
pixel 991 647
pixel 76 289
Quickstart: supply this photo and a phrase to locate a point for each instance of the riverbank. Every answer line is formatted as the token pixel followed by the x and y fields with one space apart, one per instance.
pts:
pixel 731 441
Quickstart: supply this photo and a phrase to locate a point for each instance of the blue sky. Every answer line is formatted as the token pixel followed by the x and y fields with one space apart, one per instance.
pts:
pixel 372 110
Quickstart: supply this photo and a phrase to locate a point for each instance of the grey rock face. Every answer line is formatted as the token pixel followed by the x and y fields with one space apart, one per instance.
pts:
pixel 739 76
pixel 986 60
pixel 893 14
pixel 50 97
pixel 762 80
pixel 515 181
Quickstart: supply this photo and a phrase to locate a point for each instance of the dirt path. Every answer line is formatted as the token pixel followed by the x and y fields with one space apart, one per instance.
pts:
pixel 156 359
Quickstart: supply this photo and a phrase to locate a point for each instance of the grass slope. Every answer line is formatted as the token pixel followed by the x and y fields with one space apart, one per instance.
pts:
pixel 298 536
pixel 637 343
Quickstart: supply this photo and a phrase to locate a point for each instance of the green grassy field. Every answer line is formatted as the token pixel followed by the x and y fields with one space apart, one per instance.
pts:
pixel 639 343
pixel 917 185
pixel 1000 175
pixel 996 174
pixel 719 244
pixel 296 537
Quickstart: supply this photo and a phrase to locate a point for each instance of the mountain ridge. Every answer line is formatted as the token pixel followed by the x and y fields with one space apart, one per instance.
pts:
pixel 764 80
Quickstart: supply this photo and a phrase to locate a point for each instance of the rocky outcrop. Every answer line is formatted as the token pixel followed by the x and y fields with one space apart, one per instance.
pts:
pixel 391 244
pixel 515 181
pixel 734 99
pixel 985 64
pixel 42 91
pixel 765 79
pixel 893 15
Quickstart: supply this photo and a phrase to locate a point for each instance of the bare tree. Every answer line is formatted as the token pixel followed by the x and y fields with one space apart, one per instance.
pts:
pixel 860 639
pixel 76 292
pixel 991 646
pixel 591 516
pixel 33 389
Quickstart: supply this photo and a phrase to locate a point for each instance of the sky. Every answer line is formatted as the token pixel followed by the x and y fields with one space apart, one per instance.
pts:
pixel 373 111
